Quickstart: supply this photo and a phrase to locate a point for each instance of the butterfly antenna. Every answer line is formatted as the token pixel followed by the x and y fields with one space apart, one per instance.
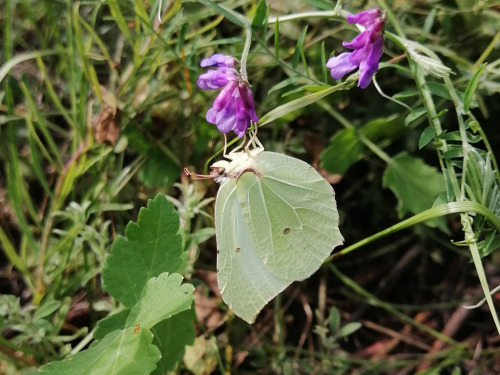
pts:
pixel 196 176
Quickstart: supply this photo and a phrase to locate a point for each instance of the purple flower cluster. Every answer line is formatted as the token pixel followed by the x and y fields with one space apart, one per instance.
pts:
pixel 233 109
pixel 368 47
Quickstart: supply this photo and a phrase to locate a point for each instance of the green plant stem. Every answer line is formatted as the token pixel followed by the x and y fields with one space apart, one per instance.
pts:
pixel 476 257
pixel 375 149
pixel 285 65
pixel 487 51
pixel 384 95
pixel 73 79
pixel 14 259
pixel 374 301
pixel 392 18
pixel 308 15
pixel 431 213
pixel 83 343
pixel 246 50
pixel 459 189
pixel 446 165
pixel 467 220
pixel 54 206
pixel 488 148
pixel 302 102
pixel 220 363
pixel 463 133
pixel 367 142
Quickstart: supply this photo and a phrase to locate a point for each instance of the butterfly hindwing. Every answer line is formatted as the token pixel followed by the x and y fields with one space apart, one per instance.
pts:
pixel 245 282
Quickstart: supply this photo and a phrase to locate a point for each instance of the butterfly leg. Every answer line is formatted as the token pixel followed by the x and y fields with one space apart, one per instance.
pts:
pixel 254 141
pixel 230 156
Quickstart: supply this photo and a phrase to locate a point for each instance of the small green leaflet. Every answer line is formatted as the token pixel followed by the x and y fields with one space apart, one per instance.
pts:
pixel 276 221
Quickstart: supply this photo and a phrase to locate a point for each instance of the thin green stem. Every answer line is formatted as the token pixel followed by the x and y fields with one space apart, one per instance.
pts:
pixel 73 78
pixel 384 95
pixel 220 363
pixel 392 17
pixel 286 65
pixel 488 148
pixel 431 213
pixel 246 50
pixel 85 341
pixel 487 51
pixel 307 15
pixel 459 188
pixel 446 165
pixel 467 220
pixel 463 132
pixel 375 149
pixel 374 301
pixel 7 50
pixel 476 258
pixel 367 142
pixel 432 116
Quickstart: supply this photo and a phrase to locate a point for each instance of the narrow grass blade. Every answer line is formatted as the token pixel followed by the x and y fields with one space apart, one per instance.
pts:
pixel 231 15
pixel 299 49
pixel 324 72
pixel 9 64
pixel 260 14
pixel 277 39
pixel 471 87
pixel 301 102
pixel 11 254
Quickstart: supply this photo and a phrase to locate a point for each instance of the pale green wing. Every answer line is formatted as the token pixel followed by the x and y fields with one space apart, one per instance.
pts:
pixel 291 215
pixel 273 228
pixel 245 282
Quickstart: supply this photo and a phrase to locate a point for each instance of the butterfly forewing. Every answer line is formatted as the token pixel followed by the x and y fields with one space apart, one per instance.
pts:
pixel 302 216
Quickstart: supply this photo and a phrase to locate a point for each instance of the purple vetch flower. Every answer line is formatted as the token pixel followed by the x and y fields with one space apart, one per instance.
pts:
pixel 365 18
pixel 219 60
pixel 234 108
pixel 215 79
pixel 368 47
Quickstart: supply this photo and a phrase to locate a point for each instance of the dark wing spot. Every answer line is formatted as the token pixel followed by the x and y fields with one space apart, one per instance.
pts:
pixel 218 251
pixel 237 250
pixel 286 230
